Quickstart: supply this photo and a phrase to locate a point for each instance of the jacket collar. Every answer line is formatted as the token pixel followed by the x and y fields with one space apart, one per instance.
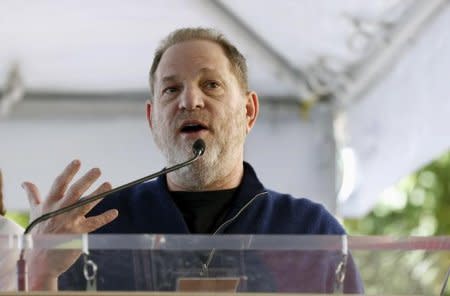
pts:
pixel 250 187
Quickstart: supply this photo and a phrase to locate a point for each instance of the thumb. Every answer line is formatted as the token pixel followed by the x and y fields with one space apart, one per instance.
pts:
pixel 33 195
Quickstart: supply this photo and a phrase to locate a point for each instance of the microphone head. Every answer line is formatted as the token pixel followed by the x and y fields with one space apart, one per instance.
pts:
pixel 199 147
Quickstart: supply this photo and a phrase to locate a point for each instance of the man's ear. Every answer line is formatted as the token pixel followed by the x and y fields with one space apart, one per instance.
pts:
pixel 149 113
pixel 252 109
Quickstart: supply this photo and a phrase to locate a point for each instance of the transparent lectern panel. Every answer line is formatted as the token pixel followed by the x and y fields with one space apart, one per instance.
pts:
pixel 217 263
pixel 244 263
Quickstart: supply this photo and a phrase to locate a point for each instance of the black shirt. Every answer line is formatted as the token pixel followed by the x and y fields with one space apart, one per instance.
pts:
pixel 203 211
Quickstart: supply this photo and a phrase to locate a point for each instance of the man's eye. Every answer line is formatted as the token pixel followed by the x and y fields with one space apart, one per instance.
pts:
pixel 170 90
pixel 212 84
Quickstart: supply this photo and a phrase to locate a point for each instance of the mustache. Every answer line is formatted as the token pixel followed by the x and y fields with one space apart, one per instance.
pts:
pixel 192 115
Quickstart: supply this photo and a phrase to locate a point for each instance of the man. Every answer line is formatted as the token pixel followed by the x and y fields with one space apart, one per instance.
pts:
pixel 8 257
pixel 199 89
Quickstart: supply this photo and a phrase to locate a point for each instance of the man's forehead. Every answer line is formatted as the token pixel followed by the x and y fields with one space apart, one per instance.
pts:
pixel 173 75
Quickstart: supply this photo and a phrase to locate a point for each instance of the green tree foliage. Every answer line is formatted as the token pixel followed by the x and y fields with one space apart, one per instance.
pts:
pixel 21 218
pixel 419 205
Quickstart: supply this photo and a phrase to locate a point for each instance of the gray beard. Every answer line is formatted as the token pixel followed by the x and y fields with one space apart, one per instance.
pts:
pixel 217 162
pixel 196 176
pixel 206 170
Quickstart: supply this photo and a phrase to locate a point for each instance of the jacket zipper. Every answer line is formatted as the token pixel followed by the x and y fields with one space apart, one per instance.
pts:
pixel 205 265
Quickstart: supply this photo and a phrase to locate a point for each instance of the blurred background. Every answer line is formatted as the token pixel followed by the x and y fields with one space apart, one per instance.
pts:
pixel 355 111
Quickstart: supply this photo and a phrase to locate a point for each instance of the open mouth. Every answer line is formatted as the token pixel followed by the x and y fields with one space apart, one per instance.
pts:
pixel 192 128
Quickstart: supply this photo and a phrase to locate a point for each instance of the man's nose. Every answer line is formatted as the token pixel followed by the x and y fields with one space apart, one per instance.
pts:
pixel 191 99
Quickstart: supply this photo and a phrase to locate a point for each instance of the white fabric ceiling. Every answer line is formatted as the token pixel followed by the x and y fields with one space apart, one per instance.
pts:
pixel 112 42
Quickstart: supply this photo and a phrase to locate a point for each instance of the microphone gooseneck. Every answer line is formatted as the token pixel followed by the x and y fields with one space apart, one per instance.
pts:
pixel 198 149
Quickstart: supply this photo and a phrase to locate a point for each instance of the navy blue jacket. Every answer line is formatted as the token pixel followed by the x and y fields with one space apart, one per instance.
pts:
pixel 148 208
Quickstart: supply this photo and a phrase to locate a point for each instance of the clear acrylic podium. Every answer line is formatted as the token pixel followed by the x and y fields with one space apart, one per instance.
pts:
pixel 239 264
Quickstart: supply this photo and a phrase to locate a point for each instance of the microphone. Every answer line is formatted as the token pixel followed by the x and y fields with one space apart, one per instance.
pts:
pixel 198 148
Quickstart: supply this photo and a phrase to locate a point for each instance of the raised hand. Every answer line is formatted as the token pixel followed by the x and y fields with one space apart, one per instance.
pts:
pixel 44 265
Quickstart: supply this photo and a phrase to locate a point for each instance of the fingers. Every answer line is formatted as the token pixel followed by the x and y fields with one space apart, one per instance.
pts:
pixel 93 223
pixel 62 181
pixel 101 189
pixel 34 197
pixel 77 189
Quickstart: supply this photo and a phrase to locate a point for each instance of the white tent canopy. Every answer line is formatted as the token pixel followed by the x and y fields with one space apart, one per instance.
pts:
pixel 355 82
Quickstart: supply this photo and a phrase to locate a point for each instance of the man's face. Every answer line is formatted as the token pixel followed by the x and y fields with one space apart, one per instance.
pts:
pixel 197 96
